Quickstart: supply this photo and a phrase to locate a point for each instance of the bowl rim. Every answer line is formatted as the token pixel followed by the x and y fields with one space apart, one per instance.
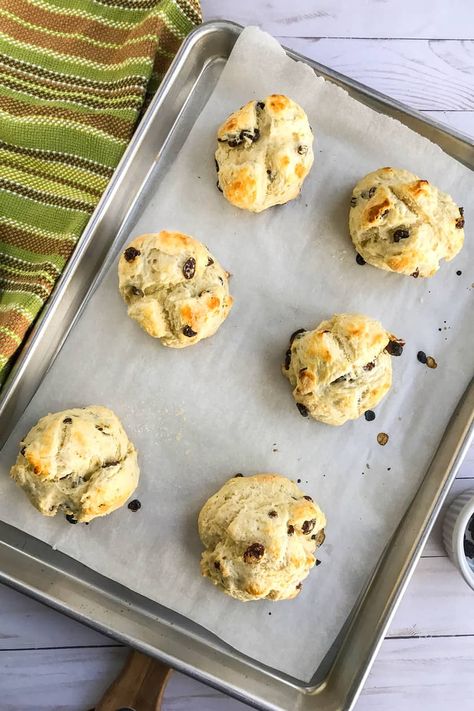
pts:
pixel 458 535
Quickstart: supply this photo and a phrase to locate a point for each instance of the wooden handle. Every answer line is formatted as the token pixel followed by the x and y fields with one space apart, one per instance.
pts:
pixel 140 686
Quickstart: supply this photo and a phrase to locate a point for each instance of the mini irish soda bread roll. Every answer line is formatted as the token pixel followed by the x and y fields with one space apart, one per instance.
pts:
pixel 79 462
pixel 174 288
pixel 403 224
pixel 260 534
pixel 264 153
pixel 342 368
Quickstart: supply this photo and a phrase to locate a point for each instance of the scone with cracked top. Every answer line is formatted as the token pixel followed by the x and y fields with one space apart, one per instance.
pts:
pixel 264 153
pixel 79 462
pixel 401 223
pixel 342 368
pixel 174 288
pixel 260 534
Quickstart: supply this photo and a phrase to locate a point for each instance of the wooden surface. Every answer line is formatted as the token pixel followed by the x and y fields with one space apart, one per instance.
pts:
pixel 422 54
pixel 140 685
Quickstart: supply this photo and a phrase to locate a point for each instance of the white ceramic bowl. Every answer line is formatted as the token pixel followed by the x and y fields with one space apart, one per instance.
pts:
pixel 455 529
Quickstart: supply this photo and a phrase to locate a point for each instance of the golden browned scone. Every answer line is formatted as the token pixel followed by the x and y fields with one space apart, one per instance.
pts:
pixel 264 153
pixel 79 462
pixel 174 288
pixel 403 224
pixel 342 368
pixel 260 534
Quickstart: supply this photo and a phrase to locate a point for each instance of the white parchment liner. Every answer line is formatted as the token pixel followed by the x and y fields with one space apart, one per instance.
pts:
pixel 199 415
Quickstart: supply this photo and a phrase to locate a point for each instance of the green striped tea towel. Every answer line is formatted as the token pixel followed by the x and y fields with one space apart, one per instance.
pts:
pixel 74 77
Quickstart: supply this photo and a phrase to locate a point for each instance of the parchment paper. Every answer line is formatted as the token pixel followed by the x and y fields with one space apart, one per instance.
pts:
pixel 199 415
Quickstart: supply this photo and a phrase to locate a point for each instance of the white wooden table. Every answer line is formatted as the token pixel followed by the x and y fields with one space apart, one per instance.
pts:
pixel 421 53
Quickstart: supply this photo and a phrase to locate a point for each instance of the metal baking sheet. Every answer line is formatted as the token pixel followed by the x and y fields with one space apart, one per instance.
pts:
pixel 196 69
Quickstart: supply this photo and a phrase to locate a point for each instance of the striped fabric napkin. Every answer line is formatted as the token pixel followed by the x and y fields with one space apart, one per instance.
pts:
pixel 74 78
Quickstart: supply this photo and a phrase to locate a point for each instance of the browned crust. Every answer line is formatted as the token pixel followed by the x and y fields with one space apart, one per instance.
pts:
pixel 374 212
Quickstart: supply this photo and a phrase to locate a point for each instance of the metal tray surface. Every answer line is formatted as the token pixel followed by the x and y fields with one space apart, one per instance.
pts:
pixel 34 568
